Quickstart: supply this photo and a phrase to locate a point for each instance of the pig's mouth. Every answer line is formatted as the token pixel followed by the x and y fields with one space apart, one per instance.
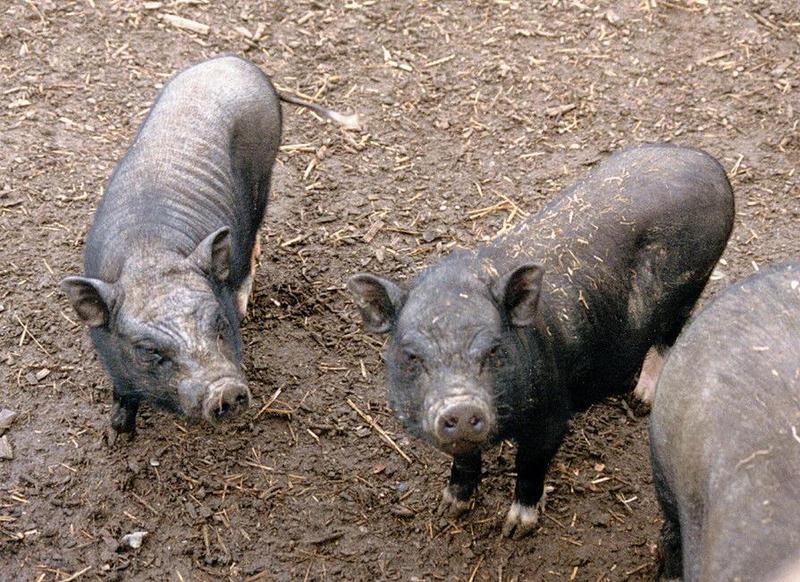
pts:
pixel 458 448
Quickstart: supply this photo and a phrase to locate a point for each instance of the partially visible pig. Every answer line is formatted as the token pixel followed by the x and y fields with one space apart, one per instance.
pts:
pixel 725 435
pixel 170 257
pixel 790 572
pixel 507 341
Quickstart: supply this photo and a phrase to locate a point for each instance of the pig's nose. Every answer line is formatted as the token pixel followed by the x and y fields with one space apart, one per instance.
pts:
pixel 226 400
pixel 465 421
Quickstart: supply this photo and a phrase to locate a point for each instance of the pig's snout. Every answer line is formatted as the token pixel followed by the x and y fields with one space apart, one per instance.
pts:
pixel 462 424
pixel 226 398
pixel 462 421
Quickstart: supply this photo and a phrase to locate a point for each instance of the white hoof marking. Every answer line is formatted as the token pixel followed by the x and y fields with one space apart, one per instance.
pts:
pixel 450 505
pixel 523 519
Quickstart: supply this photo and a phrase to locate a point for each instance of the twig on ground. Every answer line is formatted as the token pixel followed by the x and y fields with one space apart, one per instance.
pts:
pixel 374 426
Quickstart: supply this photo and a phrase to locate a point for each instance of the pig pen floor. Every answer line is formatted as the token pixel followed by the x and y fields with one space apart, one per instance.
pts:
pixel 475 113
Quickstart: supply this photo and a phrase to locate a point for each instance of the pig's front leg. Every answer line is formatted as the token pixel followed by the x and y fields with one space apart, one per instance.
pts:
pixel 123 414
pixel 465 474
pixel 529 495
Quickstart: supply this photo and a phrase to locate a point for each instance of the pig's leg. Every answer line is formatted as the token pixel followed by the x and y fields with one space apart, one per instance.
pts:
pixel 672 568
pixel 671 542
pixel 529 495
pixel 645 389
pixel 465 474
pixel 246 289
pixel 651 368
pixel 123 413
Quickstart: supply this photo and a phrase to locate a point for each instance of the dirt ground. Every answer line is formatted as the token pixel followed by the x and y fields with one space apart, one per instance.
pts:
pixel 475 112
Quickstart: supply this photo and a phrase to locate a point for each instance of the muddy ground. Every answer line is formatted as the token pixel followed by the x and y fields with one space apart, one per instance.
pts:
pixel 476 113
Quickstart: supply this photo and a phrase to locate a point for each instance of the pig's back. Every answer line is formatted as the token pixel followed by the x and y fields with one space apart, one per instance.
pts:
pixel 724 429
pixel 201 160
pixel 626 251
pixel 655 194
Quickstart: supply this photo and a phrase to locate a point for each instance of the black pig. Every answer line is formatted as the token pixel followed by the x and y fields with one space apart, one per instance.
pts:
pixel 170 257
pixel 507 341
pixel 724 435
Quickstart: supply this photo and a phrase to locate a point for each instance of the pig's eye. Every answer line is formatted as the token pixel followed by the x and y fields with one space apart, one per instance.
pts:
pixel 493 358
pixel 148 355
pixel 412 359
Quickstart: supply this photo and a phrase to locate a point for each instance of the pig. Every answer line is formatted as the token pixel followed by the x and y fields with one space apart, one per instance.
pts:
pixel 170 257
pixel 509 340
pixel 790 572
pixel 724 438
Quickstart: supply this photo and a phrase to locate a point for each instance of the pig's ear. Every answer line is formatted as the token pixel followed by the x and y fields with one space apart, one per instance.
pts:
pixel 379 300
pixel 92 299
pixel 518 292
pixel 213 254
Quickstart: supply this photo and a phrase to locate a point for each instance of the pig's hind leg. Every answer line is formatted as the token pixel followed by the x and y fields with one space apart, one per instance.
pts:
pixel 670 314
pixel 671 554
pixel 465 474
pixel 651 368
pixel 645 390
pixel 246 288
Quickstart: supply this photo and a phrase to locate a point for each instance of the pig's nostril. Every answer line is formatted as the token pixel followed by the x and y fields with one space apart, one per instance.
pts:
pixel 225 400
pixel 223 410
pixel 227 407
pixel 450 422
pixel 476 423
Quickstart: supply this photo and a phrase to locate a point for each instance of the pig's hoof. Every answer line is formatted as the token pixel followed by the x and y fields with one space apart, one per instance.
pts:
pixel 522 519
pixel 123 420
pixel 450 505
pixel 112 436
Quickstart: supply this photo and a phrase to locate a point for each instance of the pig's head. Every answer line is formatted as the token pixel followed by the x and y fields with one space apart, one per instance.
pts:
pixel 455 363
pixel 167 330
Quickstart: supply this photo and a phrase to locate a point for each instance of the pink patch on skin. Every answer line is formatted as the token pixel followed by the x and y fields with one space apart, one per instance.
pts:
pixel 246 290
pixel 651 368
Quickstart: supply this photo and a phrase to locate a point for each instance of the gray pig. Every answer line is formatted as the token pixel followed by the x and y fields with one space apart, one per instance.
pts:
pixel 724 435
pixel 170 257
pixel 507 341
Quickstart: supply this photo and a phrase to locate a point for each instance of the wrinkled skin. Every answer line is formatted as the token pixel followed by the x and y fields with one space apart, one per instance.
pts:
pixel 170 256
pixel 723 435
pixel 180 352
pixel 507 341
